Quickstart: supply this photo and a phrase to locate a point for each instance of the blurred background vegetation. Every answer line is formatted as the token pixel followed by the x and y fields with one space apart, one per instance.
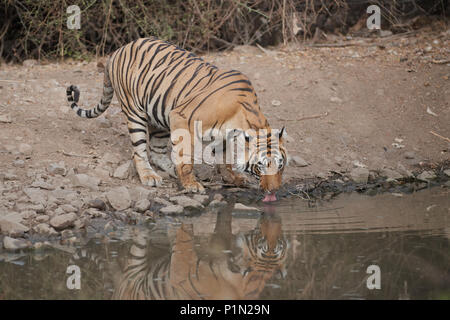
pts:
pixel 38 28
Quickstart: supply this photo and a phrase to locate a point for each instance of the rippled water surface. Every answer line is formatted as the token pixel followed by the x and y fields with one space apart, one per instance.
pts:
pixel 295 249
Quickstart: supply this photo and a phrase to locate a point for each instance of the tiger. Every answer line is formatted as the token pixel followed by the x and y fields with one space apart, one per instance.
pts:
pixel 233 267
pixel 162 87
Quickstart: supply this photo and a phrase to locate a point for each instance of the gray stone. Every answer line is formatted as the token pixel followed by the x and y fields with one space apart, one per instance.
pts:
pixel 119 198
pixel 15 244
pixel 391 174
pixel 142 205
pixel 298 161
pixel 25 149
pixel 63 221
pixel 19 163
pixel 83 180
pixel 162 201
pixel 172 209
pixel 187 202
pixel 447 172
pixel 5 118
pixel 12 228
pixel 97 204
pixel 241 207
pixel 68 208
pixel 218 197
pixel 42 218
pixel 123 171
pixel 409 155
pixel 36 195
pixel 426 175
pixel 57 168
pixel 359 175
pixel 203 199
pixel 217 203
pixel 44 228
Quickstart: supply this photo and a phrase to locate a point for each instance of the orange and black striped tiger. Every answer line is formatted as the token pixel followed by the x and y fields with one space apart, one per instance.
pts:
pixel 162 88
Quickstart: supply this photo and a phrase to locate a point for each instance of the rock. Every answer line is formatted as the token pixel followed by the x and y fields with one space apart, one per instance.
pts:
pixel 68 208
pixel 57 168
pixel 139 193
pixel 83 180
pixel 187 202
pixel 42 218
pixel 203 199
pixel 298 161
pixel 426 175
pixel 172 209
pixel 19 163
pixel 15 244
pixel 110 158
pixel 241 207
pixel 142 205
pixel 123 171
pixel 119 198
pixel 359 175
pixel 391 174
pixel 447 172
pixel 336 100
pixel 97 204
pixel 42 185
pixel 5 118
pixel 276 103
pixel 44 228
pixel 217 203
pixel 37 196
pixel 25 149
pixel 409 155
pixel 218 197
pixel 63 221
pixel 162 201
pixel 12 228
pixel 385 33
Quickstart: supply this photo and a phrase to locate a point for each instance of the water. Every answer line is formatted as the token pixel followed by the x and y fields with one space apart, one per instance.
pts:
pixel 296 249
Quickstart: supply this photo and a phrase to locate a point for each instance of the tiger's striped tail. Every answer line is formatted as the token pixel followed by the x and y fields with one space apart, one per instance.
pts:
pixel 73 94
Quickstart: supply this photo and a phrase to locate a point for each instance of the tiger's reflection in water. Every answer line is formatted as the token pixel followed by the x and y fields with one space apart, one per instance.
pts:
pixel 228 267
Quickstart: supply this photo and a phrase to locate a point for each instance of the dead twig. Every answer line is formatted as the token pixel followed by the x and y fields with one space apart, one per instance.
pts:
pixel 439 136
pixel 316 116
pixel 442 61
pixel 74 155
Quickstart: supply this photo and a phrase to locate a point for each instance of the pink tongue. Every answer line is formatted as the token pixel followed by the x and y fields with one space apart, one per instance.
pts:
pixel 270 197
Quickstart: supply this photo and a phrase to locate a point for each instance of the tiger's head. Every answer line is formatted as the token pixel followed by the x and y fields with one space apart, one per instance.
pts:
pixel 266 159
pixel 264 253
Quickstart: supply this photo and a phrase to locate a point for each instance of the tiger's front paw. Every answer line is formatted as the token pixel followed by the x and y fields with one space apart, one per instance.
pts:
pixel 240 180
pixel 150 178
pixel 194 187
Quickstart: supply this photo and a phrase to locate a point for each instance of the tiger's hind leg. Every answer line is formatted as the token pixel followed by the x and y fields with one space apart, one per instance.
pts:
pixel 138 135
pixel 159 151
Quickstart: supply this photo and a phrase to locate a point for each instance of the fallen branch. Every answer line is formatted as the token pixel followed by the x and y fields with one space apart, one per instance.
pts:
pixel 443 61
pixel 439 136
pixel 306 118
pixel 74 155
